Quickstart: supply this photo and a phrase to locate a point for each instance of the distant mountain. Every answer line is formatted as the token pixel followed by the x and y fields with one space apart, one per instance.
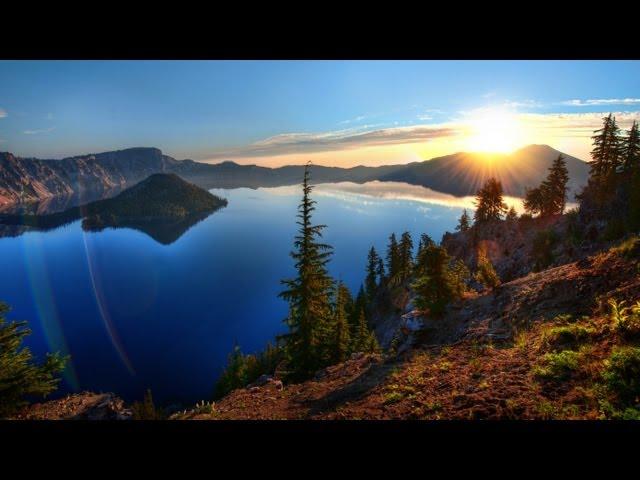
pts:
pixel 30 179
pixel 163 205
pixel 464 173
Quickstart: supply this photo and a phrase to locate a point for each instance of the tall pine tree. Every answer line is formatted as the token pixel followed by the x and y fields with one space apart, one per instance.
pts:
pixel 341 334
pixel 631 149
pixel 406 254
pixel 606 150
pixel 371 283
pixel 309 293
pixel 489 203
pixel 393 257
pixel 463 222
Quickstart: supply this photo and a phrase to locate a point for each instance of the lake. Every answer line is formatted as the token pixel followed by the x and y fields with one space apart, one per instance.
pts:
pixel 135 313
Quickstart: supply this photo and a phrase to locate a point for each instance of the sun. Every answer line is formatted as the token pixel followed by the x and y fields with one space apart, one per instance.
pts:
pixel 494 130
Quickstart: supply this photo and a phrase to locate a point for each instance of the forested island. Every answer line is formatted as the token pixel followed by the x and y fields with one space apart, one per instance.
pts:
pixel 163 206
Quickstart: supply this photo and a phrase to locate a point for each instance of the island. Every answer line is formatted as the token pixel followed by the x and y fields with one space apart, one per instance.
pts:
pixel 164 206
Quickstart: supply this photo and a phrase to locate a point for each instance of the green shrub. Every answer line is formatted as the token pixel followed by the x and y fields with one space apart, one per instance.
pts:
pixel 622 374
pixel 572 334
pixel 557 366
pixel 542 249
pixel 147 410
pixel 486 274
pixel 20 376
pixel 625 320
pixel 575 230
pixel 629 248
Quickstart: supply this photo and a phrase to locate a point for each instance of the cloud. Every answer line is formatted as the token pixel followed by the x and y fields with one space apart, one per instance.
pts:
pixel 36 132
pixel 601 101
pixel 287 143
pixel 357 119
pixel 3 113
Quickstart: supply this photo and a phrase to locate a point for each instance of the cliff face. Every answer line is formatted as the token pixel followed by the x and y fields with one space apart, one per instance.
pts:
pixel 30 179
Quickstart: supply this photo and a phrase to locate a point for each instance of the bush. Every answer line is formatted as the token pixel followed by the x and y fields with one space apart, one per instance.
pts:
pixel 542 249
pixel 625 320
pixel 622 374
pixel 486 274
pixel 242 370
pixel 575 230
pixel 147 410
pixel 568 335
pixel 629 248
pixel 557 366
pixel 20 376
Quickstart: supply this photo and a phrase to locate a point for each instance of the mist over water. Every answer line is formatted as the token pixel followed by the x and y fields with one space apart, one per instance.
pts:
pixel 134 313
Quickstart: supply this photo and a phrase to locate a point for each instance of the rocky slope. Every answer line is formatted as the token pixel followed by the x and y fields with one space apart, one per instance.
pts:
pixel 79 406
pixel 483 360
pixel 30 179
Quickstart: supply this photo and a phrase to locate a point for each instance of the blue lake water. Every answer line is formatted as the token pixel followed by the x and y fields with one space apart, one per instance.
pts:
pixel 134 313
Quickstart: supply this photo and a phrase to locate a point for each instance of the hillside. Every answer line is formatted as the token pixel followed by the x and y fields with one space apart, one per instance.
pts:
pixel 30 179
pixel 539 347
pixel 464 173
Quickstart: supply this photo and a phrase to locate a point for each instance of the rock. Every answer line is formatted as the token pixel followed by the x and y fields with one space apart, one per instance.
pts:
pixel 262 380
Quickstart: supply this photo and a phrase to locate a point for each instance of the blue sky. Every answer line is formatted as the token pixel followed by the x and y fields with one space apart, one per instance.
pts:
pixel 332 112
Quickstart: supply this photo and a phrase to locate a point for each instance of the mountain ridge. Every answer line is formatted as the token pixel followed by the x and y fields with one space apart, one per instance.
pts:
pixel 31 179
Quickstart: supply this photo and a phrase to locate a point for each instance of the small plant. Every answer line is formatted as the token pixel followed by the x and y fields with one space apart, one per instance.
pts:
pixel 393 397
pixel 204 408
pixel 622 374
pixel 558 366
pixel 147 410
pixel 542 249
pixel 21 376
pixel 567 335
pixel 628 248
pixel 486 274
pixel 625 320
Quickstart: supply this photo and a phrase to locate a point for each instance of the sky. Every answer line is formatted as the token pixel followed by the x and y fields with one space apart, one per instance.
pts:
pixel 341 113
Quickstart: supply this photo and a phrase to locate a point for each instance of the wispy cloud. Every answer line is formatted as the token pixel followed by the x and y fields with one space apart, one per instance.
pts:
pixel 337 140
pixel 601 101
pixel 3 113
pixel 36 132
pixel 357 119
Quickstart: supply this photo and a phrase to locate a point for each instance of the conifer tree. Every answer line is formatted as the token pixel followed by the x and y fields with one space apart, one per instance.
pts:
pixel 341 341
pixel 364 339
pixel 631 149
pixel 555 187
pixel 486 274
pixel 309 293
pixel 20 376
pixel 406 254
pixel 371 284
pixel 489 203
pixel 234 374
pixel 534 201
pixel 463 222
pixel 434 288
pixel 393 257
pixel 512 215
pixel 420 263
pixel 606 150
pixel 360 303
pixel 380 272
